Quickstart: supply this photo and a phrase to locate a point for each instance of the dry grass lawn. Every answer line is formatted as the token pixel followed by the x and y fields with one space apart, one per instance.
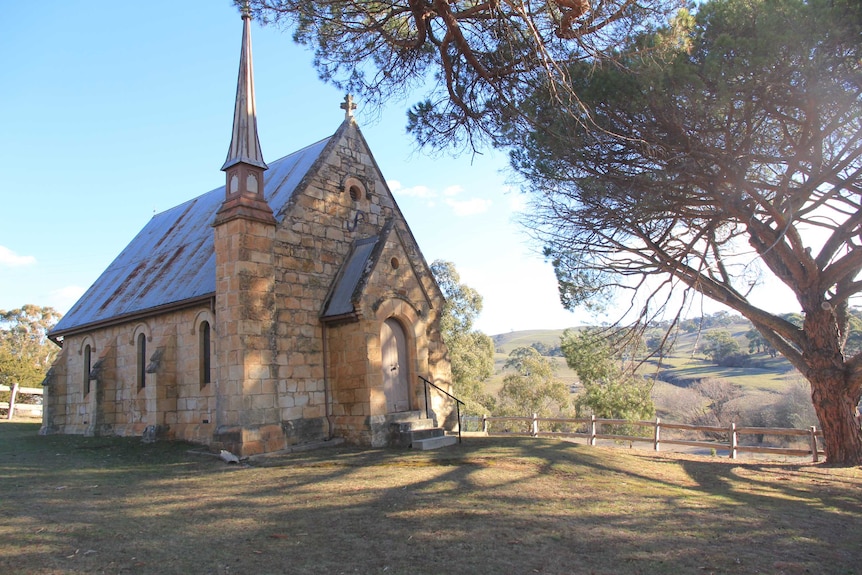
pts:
pixel 491 505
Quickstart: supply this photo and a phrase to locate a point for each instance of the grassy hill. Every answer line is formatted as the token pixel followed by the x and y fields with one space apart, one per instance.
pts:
pixel 763 380
pixel 506 342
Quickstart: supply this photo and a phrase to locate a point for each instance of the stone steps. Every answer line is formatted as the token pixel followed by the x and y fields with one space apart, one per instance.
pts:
pixel 435 442
pixel 414 431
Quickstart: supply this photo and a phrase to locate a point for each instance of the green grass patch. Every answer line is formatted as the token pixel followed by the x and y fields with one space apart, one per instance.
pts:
pixel 685 371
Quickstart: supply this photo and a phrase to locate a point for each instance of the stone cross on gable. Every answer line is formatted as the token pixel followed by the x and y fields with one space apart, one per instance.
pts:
pixel 348 105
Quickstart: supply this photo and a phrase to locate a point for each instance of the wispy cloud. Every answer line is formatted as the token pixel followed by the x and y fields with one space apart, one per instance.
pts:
pixel 469 207
pixel 422 192
pixel 461 208
pixel 10 259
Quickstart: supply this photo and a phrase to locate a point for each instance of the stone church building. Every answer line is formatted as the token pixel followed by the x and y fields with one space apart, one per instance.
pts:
pixel 291 306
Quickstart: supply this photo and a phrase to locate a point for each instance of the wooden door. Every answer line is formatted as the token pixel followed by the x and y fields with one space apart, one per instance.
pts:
pixel 393 348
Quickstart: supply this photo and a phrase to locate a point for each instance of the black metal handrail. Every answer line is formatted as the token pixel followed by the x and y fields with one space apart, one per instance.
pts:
pixel 458 403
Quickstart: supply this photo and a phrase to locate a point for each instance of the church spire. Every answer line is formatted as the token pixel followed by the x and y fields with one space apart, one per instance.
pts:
pixel 244 165
pixel 244 143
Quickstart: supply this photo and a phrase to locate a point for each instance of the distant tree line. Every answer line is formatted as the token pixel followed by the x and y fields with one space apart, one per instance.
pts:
pixel 547 350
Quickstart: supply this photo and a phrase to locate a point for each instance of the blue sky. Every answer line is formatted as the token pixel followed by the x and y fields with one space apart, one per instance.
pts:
pixel 114 111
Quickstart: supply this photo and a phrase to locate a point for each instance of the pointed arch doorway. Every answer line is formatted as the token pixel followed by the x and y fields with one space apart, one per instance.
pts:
pixel 393 349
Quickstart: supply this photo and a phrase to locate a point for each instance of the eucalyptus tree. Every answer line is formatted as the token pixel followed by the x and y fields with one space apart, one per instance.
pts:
pixel 471 352
pixel 530 386
pixel 25 352
pixel 611 389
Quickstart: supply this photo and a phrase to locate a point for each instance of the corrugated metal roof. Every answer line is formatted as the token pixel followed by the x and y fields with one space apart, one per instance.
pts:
pixel 352 272
pixel 173 258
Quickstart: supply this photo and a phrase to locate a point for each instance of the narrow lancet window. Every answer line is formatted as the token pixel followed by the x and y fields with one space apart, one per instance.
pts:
pixel 88 366
pixel 204 353
pixel 142 361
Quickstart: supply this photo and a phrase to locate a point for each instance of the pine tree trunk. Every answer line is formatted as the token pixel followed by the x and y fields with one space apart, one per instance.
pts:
pixel 842 437
pixel 833 395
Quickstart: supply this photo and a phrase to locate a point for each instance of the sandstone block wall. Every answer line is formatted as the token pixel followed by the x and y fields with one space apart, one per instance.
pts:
pixel 172 398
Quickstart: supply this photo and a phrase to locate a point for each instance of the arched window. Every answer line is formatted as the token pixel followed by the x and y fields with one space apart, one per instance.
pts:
pixel 204 353
pixel 88 366
pixel 142 360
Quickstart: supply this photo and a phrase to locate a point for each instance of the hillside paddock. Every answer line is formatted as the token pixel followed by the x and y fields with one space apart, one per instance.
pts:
pixel 75 505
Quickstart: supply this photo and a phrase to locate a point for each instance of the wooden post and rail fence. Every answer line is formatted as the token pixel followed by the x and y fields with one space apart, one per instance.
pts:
pixel 594 430
pixel 13 405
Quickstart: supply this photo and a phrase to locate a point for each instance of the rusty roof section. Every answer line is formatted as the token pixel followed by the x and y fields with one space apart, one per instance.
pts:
pixel 171 262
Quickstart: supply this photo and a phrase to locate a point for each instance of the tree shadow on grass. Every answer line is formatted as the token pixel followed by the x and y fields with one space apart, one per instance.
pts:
pixel 496 505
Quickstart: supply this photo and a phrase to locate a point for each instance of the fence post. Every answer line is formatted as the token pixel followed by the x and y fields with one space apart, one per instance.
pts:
pixel 534 427
pixel 592 430
pixel 734 441
pixel 813 438
pixel 657 435
pixel 12 401
pixel 485 423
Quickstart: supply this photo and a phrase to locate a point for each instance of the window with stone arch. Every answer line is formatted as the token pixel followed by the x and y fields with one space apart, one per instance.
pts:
pixel 86 351
pixel 140 337
pixel 88 366
pixel 204 354
pixel 141 364
pixel 203 330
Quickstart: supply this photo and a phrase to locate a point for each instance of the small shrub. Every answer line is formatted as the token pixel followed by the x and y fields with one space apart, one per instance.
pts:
pixel 734 360
pixel 795 409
